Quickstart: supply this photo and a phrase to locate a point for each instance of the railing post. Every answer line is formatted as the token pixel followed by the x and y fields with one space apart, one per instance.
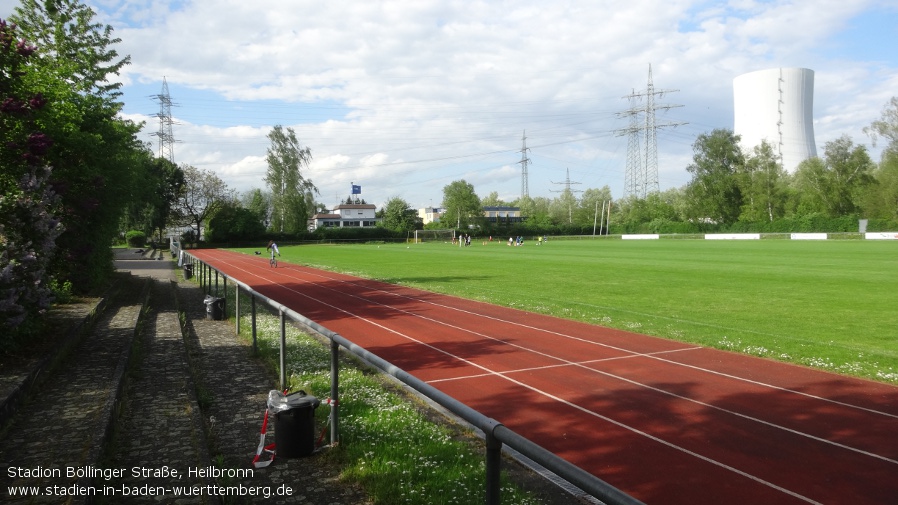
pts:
pixel 252 302
pixel 335 394
pixel 493 469
pixel 224 297
pixel 237 307
pixel 283 351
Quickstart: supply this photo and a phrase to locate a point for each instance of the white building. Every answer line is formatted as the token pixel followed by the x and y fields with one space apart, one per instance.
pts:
pixel 358 215
pixel 776 104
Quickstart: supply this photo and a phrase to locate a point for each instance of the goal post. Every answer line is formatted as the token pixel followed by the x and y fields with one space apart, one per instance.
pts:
pixel 434 236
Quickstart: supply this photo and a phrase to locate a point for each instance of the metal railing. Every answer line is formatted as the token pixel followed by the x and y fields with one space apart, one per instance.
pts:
pixel 495 433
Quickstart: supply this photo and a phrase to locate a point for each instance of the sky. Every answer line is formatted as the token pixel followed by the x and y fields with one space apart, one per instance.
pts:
pixel 404 97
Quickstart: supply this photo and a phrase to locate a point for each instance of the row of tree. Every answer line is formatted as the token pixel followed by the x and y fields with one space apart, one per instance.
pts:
pixel 71 166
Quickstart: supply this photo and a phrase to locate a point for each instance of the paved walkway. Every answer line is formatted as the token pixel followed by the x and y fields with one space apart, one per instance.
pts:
pixel 120 420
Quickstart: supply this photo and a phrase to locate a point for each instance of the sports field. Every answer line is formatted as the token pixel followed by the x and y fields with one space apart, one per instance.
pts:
pixel 826 304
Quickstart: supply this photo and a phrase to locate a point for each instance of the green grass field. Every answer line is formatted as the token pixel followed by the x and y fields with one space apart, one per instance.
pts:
pixel 827 304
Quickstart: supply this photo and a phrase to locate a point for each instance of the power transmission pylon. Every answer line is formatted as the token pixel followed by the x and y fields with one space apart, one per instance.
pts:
pixel 641 176
pixel 567 190
pixel 166 138
pixel 525 190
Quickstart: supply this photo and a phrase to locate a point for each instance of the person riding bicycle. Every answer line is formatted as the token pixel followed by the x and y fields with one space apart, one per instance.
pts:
pixel 273 247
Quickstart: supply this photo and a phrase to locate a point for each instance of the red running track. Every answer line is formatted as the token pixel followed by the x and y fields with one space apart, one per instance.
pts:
pixel 664 421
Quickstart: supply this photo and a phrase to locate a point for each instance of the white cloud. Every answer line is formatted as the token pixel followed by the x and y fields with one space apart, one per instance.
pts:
pixel 405 97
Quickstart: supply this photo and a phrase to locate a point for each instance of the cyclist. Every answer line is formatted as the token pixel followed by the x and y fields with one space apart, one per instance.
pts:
pixel 274 250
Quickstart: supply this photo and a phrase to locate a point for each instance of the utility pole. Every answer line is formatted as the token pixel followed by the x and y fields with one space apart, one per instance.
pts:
pixel 166 138
pixel 641 175
pixel 525 191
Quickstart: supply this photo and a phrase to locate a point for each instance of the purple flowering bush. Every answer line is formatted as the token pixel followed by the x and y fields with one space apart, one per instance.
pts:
pixel 28 226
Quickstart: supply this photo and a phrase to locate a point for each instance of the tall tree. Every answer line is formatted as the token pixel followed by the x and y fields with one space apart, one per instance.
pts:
pixel 814 188
pixel 398 215
pixel 461 206
pixel 151 206
pixel 835 185
pixel 492 200
pixel 82 51
pixel 259 203
pixel 852 169
pixel 96 156
pixel 763 185
pixel 535 210
pixel 714 192
pixel 292 195
pixel 167 183
pixel 590 204
pixel 562 208
pixel 886 127
pixel 231 222
pixel 881 198
pixel 204 193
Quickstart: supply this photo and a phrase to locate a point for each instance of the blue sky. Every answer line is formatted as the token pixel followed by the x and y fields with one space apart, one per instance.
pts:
pixel 404 98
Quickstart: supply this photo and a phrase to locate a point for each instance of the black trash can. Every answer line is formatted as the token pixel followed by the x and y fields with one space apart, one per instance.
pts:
pixel 214 308
pixel 294 424
pixel 188 271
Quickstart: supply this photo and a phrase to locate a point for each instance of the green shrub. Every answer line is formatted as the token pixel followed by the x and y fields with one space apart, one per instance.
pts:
pixel 62 292
pixel 136 238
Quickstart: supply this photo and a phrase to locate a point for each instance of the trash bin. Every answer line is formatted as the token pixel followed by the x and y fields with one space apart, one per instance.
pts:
pixel 294 423
pixel 214 308
pixel 188 271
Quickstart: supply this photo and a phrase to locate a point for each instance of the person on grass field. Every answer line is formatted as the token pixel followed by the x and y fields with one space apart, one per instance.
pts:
pixel 273 247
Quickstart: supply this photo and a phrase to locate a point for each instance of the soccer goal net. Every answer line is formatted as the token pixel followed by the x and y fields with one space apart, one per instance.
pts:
pixel 434 236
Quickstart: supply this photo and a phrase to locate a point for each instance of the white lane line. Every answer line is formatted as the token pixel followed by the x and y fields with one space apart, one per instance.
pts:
pixel 653 355
pixel 565 362
pixel 560 365
pixel 489 372
pixel 650 355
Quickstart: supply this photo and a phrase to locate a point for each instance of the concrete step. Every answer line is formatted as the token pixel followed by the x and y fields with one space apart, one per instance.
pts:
pixel 65 423
pixel 160 428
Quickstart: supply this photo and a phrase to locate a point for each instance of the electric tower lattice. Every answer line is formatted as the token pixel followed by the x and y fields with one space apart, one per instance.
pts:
pixel 525 191
pixel 641 175
pixel 166 138
pixel 569 193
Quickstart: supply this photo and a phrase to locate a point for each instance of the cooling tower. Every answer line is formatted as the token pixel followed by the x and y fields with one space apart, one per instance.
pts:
pixel 777 104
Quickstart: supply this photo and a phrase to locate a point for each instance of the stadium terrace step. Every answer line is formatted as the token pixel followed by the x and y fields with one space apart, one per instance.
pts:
pixel 21 372
pixel 62 426
pixel 160 429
